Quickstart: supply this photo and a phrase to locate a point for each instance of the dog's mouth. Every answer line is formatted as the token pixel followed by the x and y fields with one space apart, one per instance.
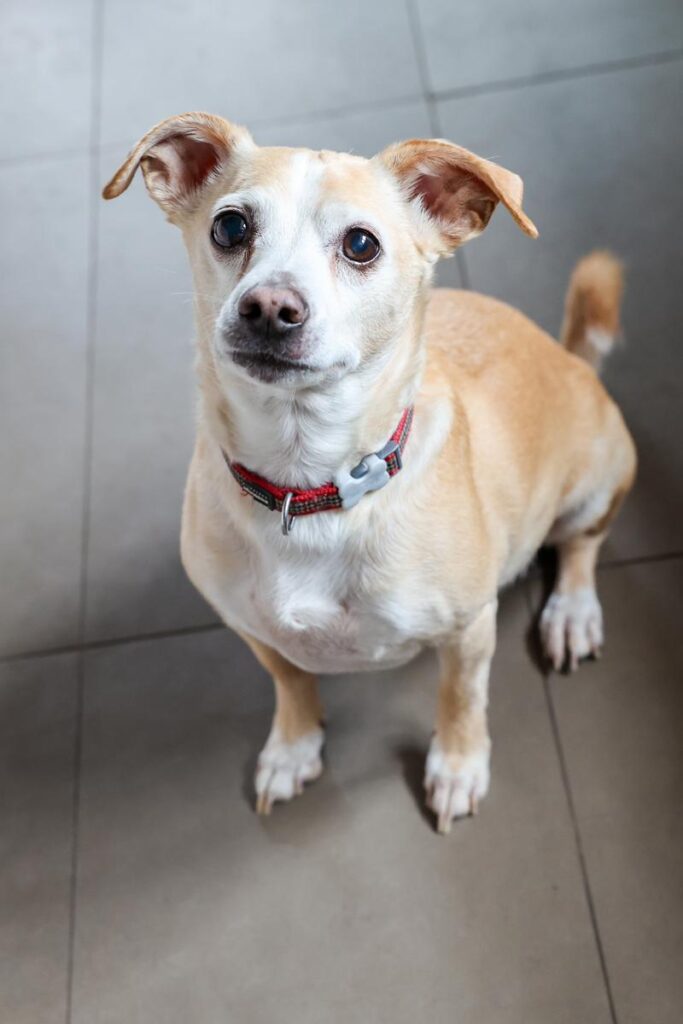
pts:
pixel 267 366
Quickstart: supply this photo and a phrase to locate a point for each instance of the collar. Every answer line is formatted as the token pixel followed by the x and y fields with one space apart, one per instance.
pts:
pixel 343 492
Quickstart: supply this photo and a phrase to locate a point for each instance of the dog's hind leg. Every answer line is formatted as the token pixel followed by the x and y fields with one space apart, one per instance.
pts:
pixel 292 754
pixel 571 622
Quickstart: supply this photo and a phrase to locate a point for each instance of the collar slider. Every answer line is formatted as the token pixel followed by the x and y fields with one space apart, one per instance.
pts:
pixel 370 474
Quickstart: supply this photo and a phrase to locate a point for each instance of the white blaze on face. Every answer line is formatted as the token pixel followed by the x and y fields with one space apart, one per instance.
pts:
pixel 299 221
pixel 287 242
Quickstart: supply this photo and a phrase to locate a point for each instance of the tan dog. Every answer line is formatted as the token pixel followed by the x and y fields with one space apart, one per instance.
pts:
pixel 317 336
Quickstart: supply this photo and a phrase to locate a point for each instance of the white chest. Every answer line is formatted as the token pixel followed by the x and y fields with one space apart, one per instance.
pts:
pixel 332 613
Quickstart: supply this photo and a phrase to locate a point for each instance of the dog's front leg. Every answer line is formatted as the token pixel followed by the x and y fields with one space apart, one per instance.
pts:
pixel 457 769
pixel 292 754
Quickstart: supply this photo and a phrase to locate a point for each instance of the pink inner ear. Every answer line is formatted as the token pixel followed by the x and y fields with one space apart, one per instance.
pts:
pixel 199 160
pixel 183 162
pixel 460 201
pixel 443 194
pixel 427 187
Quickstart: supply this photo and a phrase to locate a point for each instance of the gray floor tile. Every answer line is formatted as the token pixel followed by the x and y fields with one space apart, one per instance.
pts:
pixel 190 906
pixel 470 43
pixel 597 158
pixel 260 60
pixel 365 132
pixel 144 391
pixel 42 392
pixel 621 720
pixel 143 422
pixel 37 735
pixel 45 76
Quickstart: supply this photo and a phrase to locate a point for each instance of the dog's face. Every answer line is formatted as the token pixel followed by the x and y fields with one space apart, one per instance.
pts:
pixel 308 261
pixel 310 264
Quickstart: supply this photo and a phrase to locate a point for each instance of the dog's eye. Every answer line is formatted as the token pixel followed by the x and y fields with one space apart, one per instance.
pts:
pixel 229 229
pixel 360 246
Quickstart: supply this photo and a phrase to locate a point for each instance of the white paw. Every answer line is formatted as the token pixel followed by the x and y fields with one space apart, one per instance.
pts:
pixel 571 627
pixel 455 785
pixel 283 768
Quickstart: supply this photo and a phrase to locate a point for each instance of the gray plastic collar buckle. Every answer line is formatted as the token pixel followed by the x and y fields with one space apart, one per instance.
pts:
pixel 371 474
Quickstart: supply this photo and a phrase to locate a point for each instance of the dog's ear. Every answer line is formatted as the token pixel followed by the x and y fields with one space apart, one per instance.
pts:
pixel 178 157
pixel 454 190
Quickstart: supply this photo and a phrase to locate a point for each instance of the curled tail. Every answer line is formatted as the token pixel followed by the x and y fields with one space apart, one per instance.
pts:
pixel 591 317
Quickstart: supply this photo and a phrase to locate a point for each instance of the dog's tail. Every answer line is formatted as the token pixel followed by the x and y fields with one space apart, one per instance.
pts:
pixel 591 317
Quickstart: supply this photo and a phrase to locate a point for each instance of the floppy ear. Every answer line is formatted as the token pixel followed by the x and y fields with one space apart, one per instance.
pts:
pixel 178 157
pixel 456 190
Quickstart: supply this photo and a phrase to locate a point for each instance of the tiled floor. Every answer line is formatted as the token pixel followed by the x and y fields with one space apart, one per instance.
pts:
pixel 136 884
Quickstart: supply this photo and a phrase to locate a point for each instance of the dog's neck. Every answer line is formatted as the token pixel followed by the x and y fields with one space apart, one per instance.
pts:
pixel 304 438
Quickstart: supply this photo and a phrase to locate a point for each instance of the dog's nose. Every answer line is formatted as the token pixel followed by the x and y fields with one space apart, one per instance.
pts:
pixel 268 308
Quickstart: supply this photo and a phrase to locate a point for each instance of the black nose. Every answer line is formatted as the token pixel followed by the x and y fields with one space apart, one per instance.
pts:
pixel 273 309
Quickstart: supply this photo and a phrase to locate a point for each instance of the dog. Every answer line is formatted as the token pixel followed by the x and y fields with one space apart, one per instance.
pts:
pixel 374 458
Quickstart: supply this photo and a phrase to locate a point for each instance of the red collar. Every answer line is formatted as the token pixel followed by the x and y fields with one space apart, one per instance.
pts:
pixel 372 472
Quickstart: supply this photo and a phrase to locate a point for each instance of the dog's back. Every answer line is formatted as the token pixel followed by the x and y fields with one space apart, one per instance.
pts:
pixel 542 425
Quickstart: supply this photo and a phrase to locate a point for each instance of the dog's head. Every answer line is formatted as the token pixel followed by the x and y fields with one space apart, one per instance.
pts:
pixel 311 264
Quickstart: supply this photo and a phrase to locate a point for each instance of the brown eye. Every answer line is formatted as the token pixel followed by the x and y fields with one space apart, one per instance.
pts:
pixel 360 246
pixel 229 229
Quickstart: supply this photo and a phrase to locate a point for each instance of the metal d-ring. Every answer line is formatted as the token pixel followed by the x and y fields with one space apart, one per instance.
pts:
pixel 287 521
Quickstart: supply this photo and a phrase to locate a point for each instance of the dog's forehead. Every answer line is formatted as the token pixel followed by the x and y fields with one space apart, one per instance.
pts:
pixel 312 177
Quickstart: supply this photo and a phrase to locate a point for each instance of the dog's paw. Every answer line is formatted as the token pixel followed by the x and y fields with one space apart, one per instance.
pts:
pixel 283 767
pixel 454 786
pixel 571 628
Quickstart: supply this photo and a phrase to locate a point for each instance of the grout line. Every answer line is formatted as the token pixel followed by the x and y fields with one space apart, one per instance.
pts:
pixel 310 117
pixel 434 119
pixel 420 48
pixel 463 269
pixel 588 892
pixel 461 92
pixel 91 316
pixel 75 830
pixel 116 641
pixel 578 840
pixel 618 563
pixel 430 98
pixel 560 75
pixel 178 631
pixel 534 571
pixel 433 97
pixel 93 255
pixel 50 154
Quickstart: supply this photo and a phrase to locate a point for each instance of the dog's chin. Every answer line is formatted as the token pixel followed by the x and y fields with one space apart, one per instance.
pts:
pixel 268 367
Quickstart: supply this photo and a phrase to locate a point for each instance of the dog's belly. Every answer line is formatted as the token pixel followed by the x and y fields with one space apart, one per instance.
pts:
pixel 325 639
pixel 340 648
pixel 322 633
